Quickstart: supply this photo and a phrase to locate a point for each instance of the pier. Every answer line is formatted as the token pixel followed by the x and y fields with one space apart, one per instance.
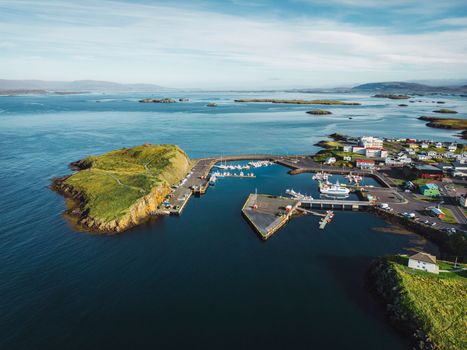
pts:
pixel 267 214
pixel 335 204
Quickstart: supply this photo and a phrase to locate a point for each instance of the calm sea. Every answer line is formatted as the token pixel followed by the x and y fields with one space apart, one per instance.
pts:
pixel 202 280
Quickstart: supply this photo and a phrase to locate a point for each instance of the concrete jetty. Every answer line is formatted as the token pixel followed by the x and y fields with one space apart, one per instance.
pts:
pixel 267 214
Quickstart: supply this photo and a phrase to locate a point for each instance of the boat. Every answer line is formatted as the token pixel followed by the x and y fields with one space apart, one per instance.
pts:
pixel 333 189
pixel 321 176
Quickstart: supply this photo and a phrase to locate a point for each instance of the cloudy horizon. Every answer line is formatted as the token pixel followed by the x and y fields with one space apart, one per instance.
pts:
pixel 234 44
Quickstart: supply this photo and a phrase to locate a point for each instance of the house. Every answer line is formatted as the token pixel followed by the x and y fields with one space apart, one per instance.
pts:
pixel 411 140
pixel 452 147
pixel 429 190
pixel 438 213
pixel 347 148
pixel 445 167
pixel 413 145
pixel 347 158
pixel 358 149
pixel 330 160
pixel 423 157
pixel 370 142
pixel 432 153
pixel 463 200
pixel 424 145
pixel 372 152
pixel 365 163
pixel 427 172
pixel 459 169
pixel 438 145
pixel 448 155
pixel 423 261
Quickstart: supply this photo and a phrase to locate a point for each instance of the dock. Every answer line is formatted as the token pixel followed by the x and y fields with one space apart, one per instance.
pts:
pixel 267 214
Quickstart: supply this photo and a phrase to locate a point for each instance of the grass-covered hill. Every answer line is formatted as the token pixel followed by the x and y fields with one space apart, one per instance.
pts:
pixel 428 307
pixel 117 190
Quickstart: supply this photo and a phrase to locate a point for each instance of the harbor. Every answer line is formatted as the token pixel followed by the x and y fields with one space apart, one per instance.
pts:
pixel 267 213
pixel 349 189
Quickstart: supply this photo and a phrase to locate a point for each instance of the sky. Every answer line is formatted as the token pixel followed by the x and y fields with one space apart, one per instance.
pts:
pixel 234 44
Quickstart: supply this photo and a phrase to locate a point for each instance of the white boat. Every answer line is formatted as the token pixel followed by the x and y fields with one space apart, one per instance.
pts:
pixel 321 176
pixel 333 189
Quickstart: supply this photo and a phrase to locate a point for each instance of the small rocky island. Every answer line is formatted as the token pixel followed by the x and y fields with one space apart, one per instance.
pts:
pixel 297 102
pixel 161 100
pixel 445 110
pixel 392 96
pixel 211 104
pixel 319 112
pixel 120 189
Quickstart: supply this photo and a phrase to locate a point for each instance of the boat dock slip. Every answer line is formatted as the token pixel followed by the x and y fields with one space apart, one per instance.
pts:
pixel 267 213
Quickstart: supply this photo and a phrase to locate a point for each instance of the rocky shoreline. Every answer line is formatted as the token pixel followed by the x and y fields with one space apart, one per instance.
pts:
pixel 137 213
pixel 385 283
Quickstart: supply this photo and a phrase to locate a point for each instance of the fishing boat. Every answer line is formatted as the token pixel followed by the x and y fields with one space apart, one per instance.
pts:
pixel 335 190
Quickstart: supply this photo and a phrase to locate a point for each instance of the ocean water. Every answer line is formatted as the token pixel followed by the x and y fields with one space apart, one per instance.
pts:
pixel 202 280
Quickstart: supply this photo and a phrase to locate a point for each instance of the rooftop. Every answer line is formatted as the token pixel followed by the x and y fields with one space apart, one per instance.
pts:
pixel 425 257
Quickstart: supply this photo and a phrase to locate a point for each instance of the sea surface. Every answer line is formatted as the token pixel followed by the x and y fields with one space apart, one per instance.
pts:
pixel 203 280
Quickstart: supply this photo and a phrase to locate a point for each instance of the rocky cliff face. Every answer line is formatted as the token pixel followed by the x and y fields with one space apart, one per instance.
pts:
pixel 385 282
pixel 137 213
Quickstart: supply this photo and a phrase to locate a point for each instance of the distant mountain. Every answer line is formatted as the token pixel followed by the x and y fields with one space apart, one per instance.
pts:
pixel 77 85
pixel 406 87
pixel 393 85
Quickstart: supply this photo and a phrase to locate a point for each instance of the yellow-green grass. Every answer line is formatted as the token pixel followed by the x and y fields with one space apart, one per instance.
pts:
pixel 114 181
pixel 449 216
pixel 437 302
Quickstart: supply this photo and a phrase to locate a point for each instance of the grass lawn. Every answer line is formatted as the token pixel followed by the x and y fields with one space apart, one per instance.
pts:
pixel 436 302
pixel 449 218
pixel 114 181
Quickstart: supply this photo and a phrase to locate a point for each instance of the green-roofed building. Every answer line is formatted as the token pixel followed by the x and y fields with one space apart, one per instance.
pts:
pixel 430 190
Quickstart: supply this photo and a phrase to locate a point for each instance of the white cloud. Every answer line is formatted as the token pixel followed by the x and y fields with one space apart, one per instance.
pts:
pixel 189 47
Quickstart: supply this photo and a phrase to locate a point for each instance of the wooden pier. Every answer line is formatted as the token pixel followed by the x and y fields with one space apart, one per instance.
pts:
pixel 267 214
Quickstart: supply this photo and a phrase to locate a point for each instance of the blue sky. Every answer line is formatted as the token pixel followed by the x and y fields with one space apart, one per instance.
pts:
pixel 248 44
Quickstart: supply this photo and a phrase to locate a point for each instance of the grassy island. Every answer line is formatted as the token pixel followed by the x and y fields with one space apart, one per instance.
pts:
pixel 319 112
pixel 392 96
pixel 446 123
pixel 445 110
pixel 429 308
pixel 119 189
pixel 298 102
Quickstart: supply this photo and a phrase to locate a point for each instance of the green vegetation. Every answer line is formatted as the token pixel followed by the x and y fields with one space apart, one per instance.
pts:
pixel 298 102
pixel 319 112
pixel 449 216
pixel 113 182
pixel 427 306
pixel 445 110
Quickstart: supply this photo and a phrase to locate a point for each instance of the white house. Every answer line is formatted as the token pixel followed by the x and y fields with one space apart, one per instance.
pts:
pixel 424 145
pixel 358 149
pixel 452 147
pixel 330 160
pixel 438 145
pixel 463 200
pixel 347 148
pixel 423 157
pixel 423 261
pixel 371 142
pixel 347 158
pixel 432 153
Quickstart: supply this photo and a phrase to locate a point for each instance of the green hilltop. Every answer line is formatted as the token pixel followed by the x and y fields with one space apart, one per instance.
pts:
pixel 118 189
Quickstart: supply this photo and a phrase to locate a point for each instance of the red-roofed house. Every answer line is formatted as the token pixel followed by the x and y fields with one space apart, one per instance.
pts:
pixel 365 163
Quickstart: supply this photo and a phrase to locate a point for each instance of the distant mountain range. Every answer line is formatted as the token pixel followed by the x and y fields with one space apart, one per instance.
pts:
pixel 75 86
pixel 398 86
